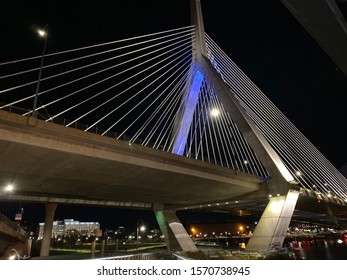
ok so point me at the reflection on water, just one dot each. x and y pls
(321, 249)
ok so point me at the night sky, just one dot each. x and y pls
(262, 37)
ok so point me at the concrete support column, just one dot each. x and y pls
(103, 245)
(176, 237)
(92, 249)
(170, 241)
(29, 246)
(273, 225)
(47, 231)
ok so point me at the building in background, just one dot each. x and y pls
(72, 227)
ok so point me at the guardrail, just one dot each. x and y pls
(94, 130)
(180, 257)
(7, 221)
(11, 224)
(147, 256)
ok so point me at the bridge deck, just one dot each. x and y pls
(47, 160)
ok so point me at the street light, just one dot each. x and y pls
(141, 228)
(241, 229)
(42, 33)
(9, 188)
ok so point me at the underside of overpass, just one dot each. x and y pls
(50, 163)
(54, 163)
(325, 21)
(307, 210)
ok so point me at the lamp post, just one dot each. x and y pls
(42, 33)
(18, 217)
(138, 228)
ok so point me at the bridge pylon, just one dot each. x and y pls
(273, 224)
(175, 235)
(281, 181)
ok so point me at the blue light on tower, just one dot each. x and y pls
(190, 104)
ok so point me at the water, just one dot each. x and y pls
(332, 247)
(321, 249)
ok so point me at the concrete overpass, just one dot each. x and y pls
(54, 164)
(50, 162)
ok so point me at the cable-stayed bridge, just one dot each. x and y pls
(164, 119)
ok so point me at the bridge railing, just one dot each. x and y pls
(146, 256)
(64, 122)
(7, 221)
(83, 126)
(179, 256)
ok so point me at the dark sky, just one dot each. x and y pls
(262, 37)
